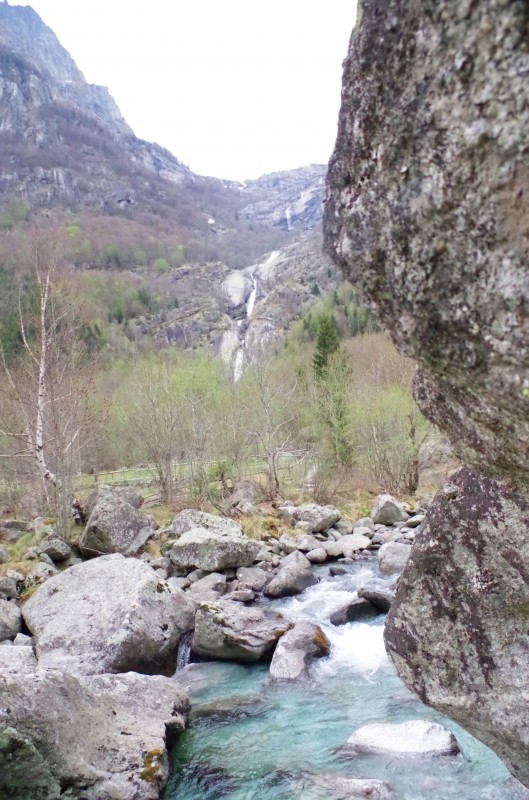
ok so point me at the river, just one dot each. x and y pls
(251, 739)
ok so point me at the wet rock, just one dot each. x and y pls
(111, 614)
(416, 737)
(381, 599)
(353, 611)
(393, 557)
(229, 709)
(336, 786)
(213, 550)
(457, 631)
(115, 526)
(10, 620)
(386, 510)
(228, 630)
(296, 650)
(294, 576)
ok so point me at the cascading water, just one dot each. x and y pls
(251, 739)
(183, 657)
(250, 303)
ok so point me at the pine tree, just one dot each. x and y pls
(327, 342)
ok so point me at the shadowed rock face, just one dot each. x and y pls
(458, 629)
(427, 209)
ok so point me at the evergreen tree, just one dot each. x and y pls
(327, 342)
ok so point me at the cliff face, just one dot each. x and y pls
(427, 209)
(427, 213)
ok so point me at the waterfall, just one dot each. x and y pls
(183, 657)
(251, 300)
(288, 215)
(237, 367)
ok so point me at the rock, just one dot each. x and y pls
(290, 542)
(4, 554)
(245, 595)
(335, 786)
(102, 493)
(213, 550)
(386, 510)
(22, 640)
(415, 521)
(115, 526)
(214, 582)
(457, 631)
(55, 548)
(424, 213)
(229, 709)
(317, 518)
(10, 620)
(124, 719)
(333, 549)
(342, 526)
(111, 614)
(317, 556)
(294, 575)
(353, 611)
(381, 599)
(385, 535)
(229, 630)
(9, 586)
(364, 522)
(393, 556)
(254, 577)
(354, 543)
(189, 518)
(416, 737)
(296, 650)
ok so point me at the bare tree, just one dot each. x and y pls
(44, 419)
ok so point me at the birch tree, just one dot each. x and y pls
(45, 421)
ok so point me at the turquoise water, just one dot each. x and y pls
(251, 739)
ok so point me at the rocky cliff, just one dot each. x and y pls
(427, 213)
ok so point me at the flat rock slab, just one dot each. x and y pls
(211, 550)
(190, 518)
(104, 735)
(110, 614)
(416, 737)
(334, 786)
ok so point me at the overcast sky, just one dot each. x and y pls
(234, 88)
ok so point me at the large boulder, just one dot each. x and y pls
(229, 630)
(386, 510)
(427, 211)
(104, 736)
(458, 628)
(190, 518)
(416, 737)
(293, 577)
(213, 550)
(111, 614)
(314, 518)
(296, 650)
(115, 526)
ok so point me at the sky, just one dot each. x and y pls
(233, 88)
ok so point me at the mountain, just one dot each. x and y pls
(133, 207)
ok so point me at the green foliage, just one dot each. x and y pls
(161, 266)
(327, 342)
